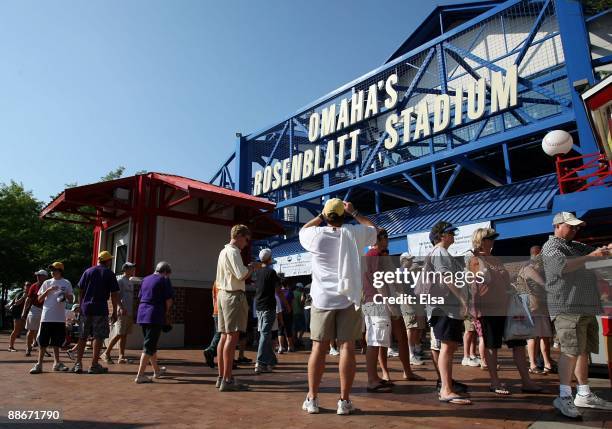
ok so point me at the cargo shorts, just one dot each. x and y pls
(344, 324)
(577, 333)
(233, 310)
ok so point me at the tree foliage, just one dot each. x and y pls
(592, 7)
(29, 243)
(114, 174)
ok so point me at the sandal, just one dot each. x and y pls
(502, 390)
(457, 400)
(551, 370)
(122, 360)
(387, 382)
(536, 370)
(381, 387)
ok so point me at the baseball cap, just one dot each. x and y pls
(440, 228)
(406, 255)
(334, 205)
(56, 266)
(127, 266)
(41, 273)
(492, 235)
(104, 256)
(265, 254)
(568, 218)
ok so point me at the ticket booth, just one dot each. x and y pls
(152, 217)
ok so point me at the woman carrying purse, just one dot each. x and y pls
(491, 297)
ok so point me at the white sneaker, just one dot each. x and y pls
(476, 359)
(592, 401)
(566, 406)
(333, 351)
(311, 405)
(416, 360)
(467, 361)
(262, 369)
(162, 372)
(392, 353)
(143, 379)
(344, 407)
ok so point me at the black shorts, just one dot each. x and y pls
(493, 332)
(150, 333)
(287, 329)
(446, 328)
(52, 334)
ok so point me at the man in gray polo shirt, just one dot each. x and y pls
(573, 302)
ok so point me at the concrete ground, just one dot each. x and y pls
(187, 397)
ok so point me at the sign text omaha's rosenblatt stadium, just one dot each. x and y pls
(362, 105)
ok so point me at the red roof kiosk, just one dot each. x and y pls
(151, 217)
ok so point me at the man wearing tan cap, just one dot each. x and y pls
(336, 294)
(97, 285)
(573, 302)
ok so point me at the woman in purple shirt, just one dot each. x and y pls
(153, 314)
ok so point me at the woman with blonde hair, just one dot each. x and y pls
(530, 281)
(490, 304)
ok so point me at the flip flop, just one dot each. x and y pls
(387, 382)
(457, 400)
(501, 390)
(536, 370)
(379, 388)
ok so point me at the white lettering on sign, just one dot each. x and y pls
(430, 116)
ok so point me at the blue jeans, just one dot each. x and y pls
(265, 351)
(216, 337)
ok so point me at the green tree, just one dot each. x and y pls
(30, 243)
(114, 174)
(593, 7)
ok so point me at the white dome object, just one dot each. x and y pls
(557, 142)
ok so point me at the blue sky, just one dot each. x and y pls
(86, 86)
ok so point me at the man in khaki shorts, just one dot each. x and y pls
(232, 304)
(336, 294)
(125, 319)
(573, 301)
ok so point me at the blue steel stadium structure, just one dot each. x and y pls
(489, 169)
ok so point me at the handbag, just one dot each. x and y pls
(519, 323)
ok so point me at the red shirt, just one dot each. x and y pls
(33, 294)
(372, 265)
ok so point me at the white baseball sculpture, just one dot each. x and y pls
(557, 142)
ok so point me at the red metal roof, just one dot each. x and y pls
(174, 191)
(207, 190)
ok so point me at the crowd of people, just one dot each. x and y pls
(342, 308)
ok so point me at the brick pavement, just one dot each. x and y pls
(187, 397)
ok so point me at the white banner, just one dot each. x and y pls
(419, 244)
(298, 264)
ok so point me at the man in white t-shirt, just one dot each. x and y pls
(336, 294)
(53, 293)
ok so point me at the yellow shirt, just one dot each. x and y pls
(231, 269)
